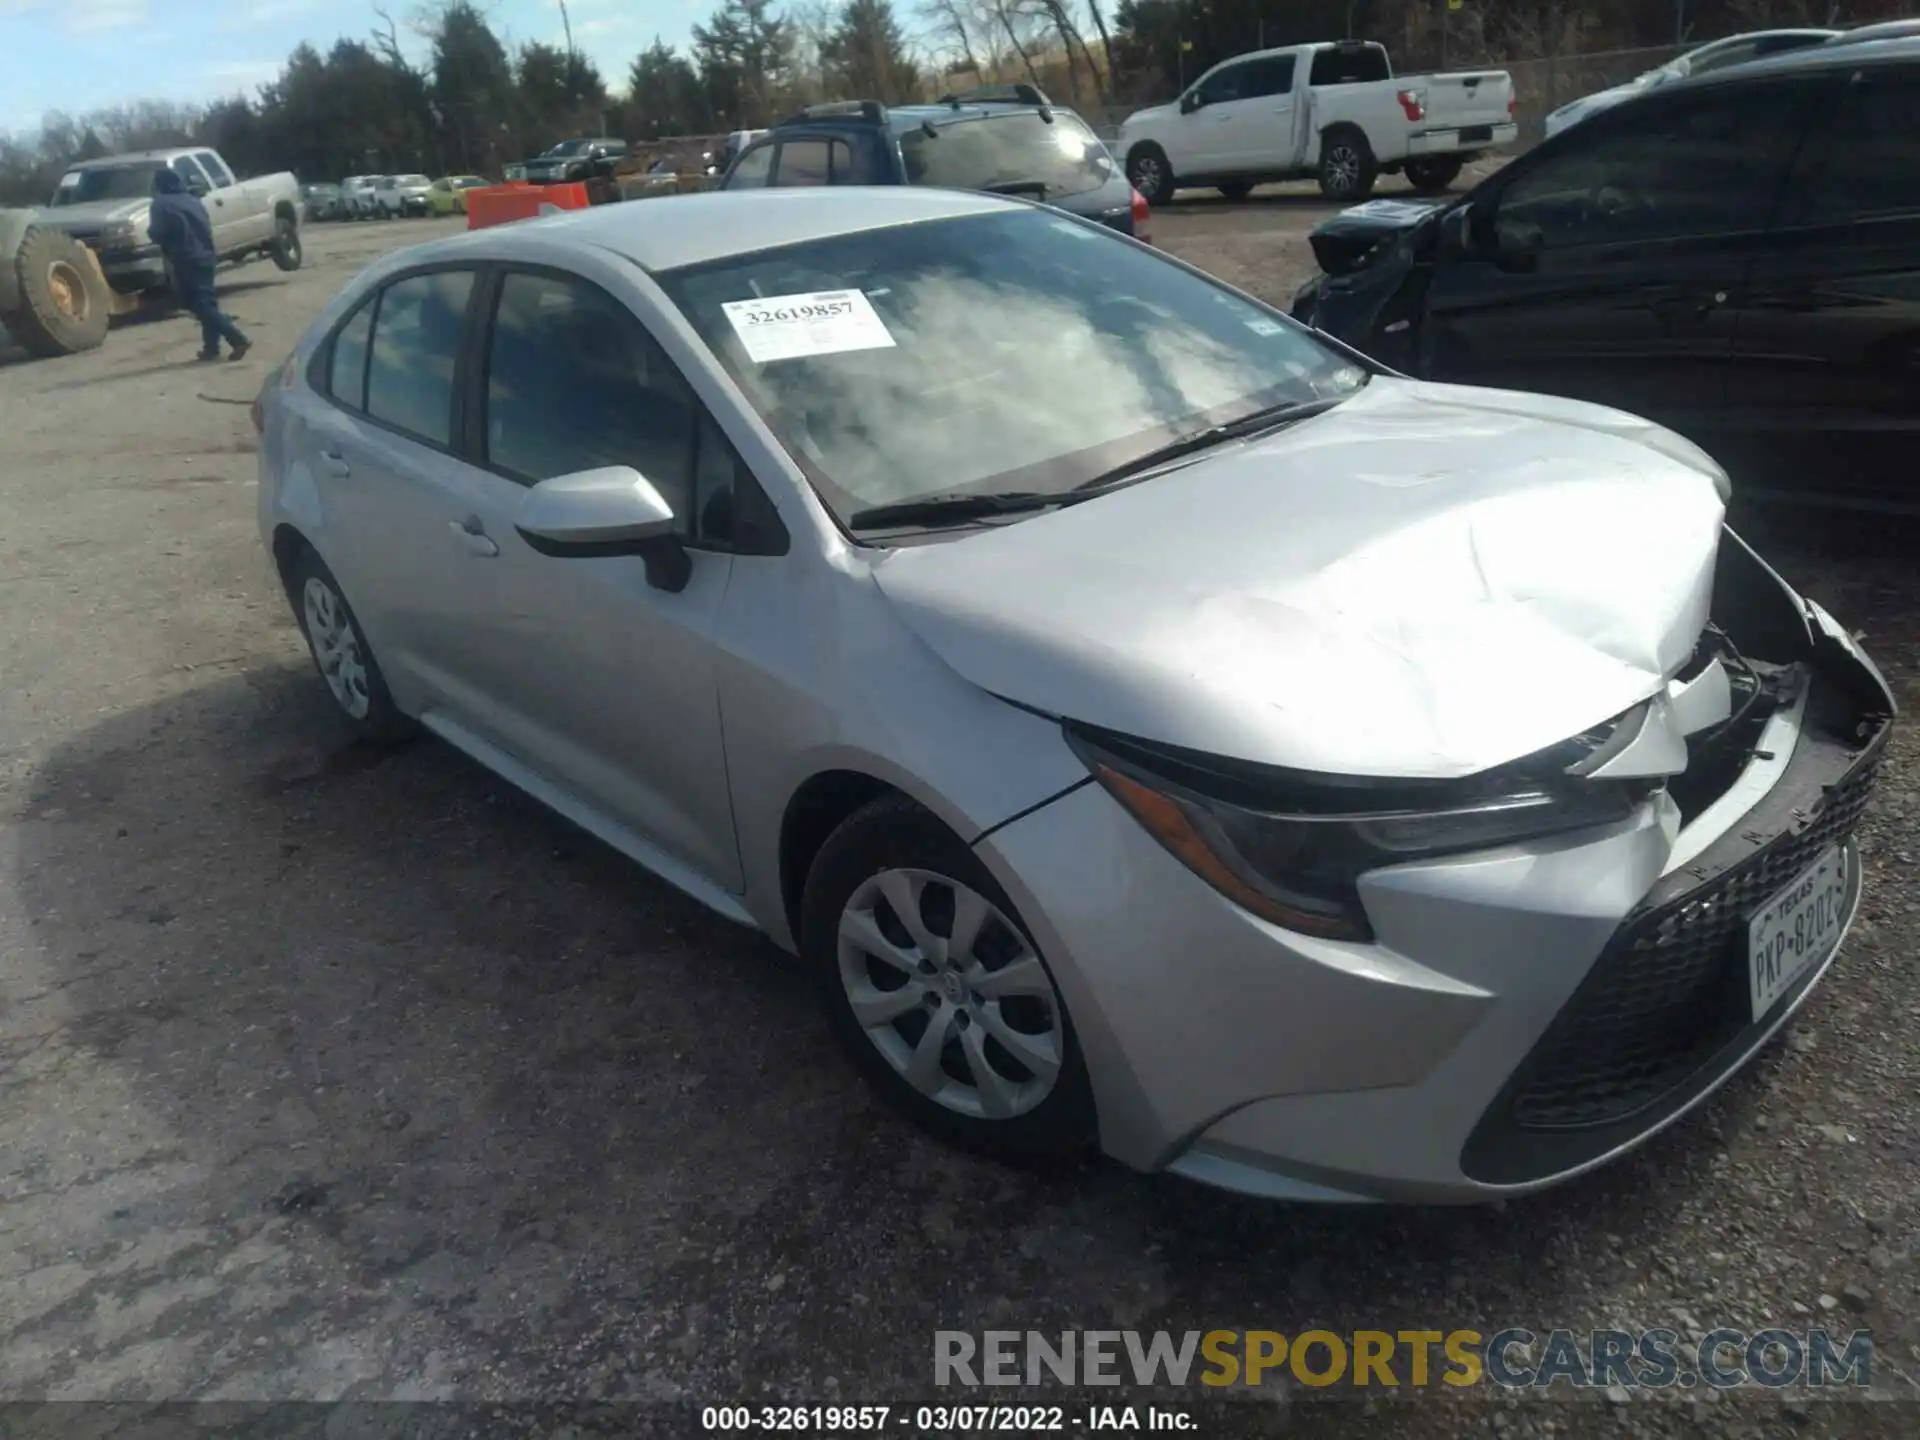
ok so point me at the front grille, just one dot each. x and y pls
(1671, 987)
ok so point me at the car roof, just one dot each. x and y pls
(1813, 58)
(674, 230)
(136, 157)
(911, 117)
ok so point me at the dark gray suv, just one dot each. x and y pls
(1007, 139)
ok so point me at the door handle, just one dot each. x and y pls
(473, 538)
(335, 464)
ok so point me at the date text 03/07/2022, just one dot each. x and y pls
(943, 1419)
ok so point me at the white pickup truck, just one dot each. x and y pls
(1333, 111)
(105, 203)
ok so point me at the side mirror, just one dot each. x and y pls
(197, 188)
(1189, 102)
(606, 512)
(1456, 234)
(1517, 245)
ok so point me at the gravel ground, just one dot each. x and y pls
(325, 1075)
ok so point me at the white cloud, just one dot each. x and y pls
(85, 17)
(231, 75)
(255, 13)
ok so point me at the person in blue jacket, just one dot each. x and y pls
(177, 222)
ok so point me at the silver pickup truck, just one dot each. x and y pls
(105, 203)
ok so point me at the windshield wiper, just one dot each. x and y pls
(954, 505)
(1268, 417)
(1036, 188)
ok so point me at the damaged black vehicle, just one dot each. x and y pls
(1736, 257)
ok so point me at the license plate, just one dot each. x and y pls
(1476, 132)
(1795, 929)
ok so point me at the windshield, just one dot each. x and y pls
(415, 180)
(568, 147)
(1017, 148)
(1013, 351)
(119, 182)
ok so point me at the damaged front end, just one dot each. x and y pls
(1784, 721)
(1756, 757)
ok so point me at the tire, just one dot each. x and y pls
(1236, 191)
(337, 645)
(893, 847)
(285, 248)
(65, 302)
(1149, 172)
(1432, 175)
(1347, 166)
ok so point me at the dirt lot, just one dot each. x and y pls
(324, 1075)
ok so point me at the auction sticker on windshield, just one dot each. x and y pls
(822, 322)
(1797, 927)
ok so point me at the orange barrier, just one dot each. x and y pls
(517, 200)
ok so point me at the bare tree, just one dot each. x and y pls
(951, 24)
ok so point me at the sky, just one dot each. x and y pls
(80, 55)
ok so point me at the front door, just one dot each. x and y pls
(1824, 390)
(1210, 133)
(598, 680)
(1610, 270)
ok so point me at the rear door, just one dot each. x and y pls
(382, 444)
(1824, 390)
(1627, 243)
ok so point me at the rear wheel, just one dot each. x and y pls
(286, 244)
(935, 989)
(341, 653)
(64, 299)
(1431, 175)
(1347, 166)
(1236, 190)
(1150, 174)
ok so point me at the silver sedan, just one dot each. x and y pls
(1158, 727)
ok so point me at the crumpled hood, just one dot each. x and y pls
(1424, 582)
(1342, 241)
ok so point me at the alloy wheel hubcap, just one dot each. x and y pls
(1146, 176)
(336, 649)
(1343, 164)
(951, 994)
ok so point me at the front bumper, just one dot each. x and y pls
(1454, 138)
(140, 267)
(1522, 1016)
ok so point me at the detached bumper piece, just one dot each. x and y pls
(1665, 1012)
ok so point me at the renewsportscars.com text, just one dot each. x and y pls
(1512, 1358)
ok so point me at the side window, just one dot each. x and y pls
(574, 382)
(813, 161)
(1870, 167)
(216, 169)
(1720, 59)
(1270, 77)
(1229, 83)
(347, 367)
(1349, 65)
(1709, 165)
(754, 169)
(416, 340)
(192, 174)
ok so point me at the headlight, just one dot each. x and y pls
(1292, 848)
(131, 231)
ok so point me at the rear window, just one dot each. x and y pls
(1017, 153)
(1350, 67)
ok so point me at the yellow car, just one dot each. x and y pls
(448, 194)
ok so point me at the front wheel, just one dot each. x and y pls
(1431, 175)
(285, 249)
(1347, 166)
(1150, 174)
(935, 989)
